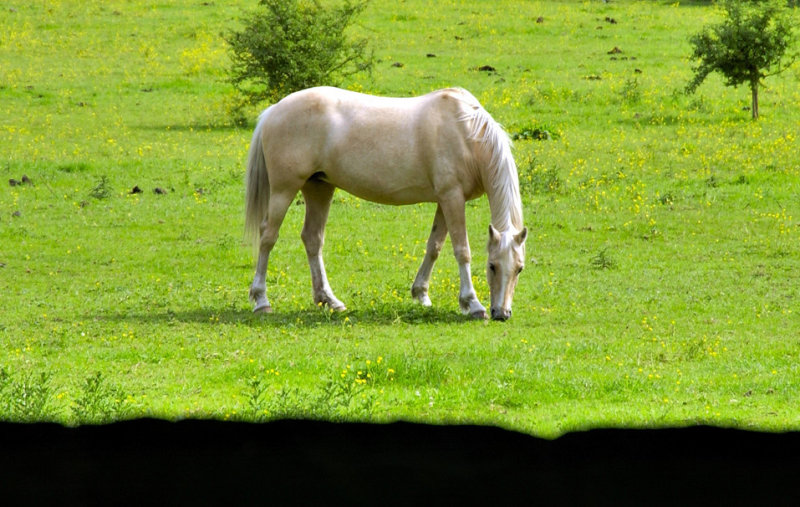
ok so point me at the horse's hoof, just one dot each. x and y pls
(424, 300)
(479, 315)
(333, 305)
(262, 309)
(421, 296)
(340, 307)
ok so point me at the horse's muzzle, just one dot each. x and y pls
(501, 314)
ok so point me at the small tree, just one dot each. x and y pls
(746, 47)
(288, 45)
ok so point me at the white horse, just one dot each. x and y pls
(442, 147)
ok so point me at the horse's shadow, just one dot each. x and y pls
(305, 318)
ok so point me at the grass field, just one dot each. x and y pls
(664, 250)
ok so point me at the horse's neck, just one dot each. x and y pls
(504, 199)
(499, 172)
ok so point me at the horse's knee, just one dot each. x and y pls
(434, 250)
(462, 254)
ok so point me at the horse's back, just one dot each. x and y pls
(327, 103)
(385, 149)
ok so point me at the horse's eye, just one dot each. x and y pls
(519, 269)
(491, 268)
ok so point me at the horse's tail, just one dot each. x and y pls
(256, 184)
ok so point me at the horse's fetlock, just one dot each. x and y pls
(258, 287)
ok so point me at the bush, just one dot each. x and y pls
(289, 45)
(535, 179)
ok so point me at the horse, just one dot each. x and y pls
(442, 147)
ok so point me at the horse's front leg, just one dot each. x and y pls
(419, 290)
(454, 214)
(318, 195)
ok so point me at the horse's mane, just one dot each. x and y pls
(502, 175)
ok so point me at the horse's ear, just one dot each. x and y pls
(494, 236)
(522, 236)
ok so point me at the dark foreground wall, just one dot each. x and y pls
(150, 462)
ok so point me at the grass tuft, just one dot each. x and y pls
(603, 260)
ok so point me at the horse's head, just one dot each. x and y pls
(506, 260)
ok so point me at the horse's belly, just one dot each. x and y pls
(381, 168)
(378, 187)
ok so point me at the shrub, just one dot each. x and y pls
(289, 45)
(535, 179)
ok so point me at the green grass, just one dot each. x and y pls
(664, 262)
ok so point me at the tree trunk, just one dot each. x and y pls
(754, 107)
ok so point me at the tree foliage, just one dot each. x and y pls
(288, 45)
(749, 45)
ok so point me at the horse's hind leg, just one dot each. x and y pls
(278, 204)
(419, 290)
(318, 195)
